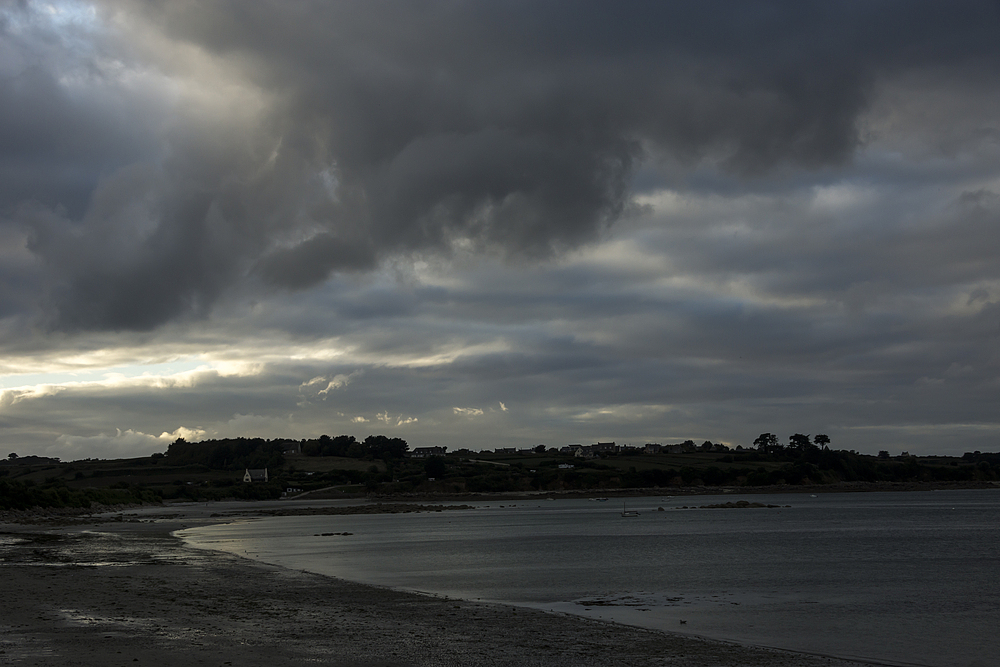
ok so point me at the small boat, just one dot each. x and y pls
(626, 512)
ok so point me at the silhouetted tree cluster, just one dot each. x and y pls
(373, 447)
(228, 454)
(798, 444)
(993, 458)
(342, 445)
(815, 462)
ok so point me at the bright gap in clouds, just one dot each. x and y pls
(90, 375)
(65, 13)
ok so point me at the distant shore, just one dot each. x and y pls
(68, 516)
(63, 516)
(663, 492)
(122, 590)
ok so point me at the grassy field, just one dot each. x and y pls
(159, 476)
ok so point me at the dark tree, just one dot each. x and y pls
(821, 440)
(327, 446)
(799, 442)
(227, 454)
(767, 443)
(382, 447)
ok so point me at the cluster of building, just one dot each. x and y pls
(595, 450)
(424, 452)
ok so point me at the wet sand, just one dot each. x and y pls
(128, 593)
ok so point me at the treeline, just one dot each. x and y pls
(829, 466)
(812, 465)
(993, 458)
(240, 453)
(798, 444)
(373, 447)
(227, 454)
(747, 468)
(21, 495)
(813, 462)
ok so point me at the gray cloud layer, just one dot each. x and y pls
(610, 216)
(395, 126)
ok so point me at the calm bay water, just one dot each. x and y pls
(905, 578)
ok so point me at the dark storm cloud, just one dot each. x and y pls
(57, 138)
(387, 127)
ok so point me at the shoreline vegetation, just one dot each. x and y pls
(121, 589)
(413, 502)
(385, 469)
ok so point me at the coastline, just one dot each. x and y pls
(662, 491)
(121, 589)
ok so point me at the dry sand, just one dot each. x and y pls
(128, 593)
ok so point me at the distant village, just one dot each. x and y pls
(292, 448)
(589, 451)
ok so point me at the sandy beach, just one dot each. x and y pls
(126, 592)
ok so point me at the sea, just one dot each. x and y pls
(900, 578)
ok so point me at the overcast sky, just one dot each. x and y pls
(499, 223)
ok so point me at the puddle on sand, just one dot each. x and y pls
(91, 549)
(15, 647)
